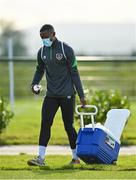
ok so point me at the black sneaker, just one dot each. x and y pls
(74, 161)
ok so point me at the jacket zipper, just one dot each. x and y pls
(50, 53)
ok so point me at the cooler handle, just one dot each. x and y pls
(86, 113)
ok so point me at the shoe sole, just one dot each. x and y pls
(30, 163)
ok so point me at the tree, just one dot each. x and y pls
(8, 30)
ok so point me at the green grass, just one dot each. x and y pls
(102, 75)
(24, 127)
(15, 167)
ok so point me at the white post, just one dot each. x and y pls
(11, 72)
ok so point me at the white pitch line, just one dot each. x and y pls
(52, 150)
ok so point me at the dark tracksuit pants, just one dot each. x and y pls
(49, 109)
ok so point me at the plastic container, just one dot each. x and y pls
(95, 142)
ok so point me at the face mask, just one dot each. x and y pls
(47, 42)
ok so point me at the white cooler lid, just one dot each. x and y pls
(107, 131)
(116, 120)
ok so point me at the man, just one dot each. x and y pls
(58, 62)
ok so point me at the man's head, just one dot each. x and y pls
(47, 33)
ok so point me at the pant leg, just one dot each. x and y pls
(67, 109)
(49, 109)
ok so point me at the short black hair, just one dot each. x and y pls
(47, 27)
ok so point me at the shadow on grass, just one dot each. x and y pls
(11, 141)
(3, 142)
(68, 168)
(79, 168)
(128, 142)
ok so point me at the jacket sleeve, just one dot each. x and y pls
(40, 69)
(72, 65)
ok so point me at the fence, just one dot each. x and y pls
(96, 73)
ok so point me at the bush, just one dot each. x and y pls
(5, 115)
(104, 100)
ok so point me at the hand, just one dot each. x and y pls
(83, 102)
(36, 89)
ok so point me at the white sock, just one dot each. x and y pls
(74, 154)
(42, 151)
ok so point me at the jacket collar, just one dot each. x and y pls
(55, 43)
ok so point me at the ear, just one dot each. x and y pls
(54, 33)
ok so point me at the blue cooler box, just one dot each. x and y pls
(97, 146)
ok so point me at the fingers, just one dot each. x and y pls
(36, 89)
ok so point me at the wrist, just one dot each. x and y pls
(35, 88)
(82, 97)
